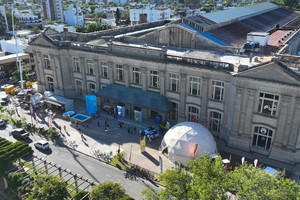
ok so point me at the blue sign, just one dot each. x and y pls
(91, 104)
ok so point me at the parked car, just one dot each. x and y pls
(20, 133)
(2, 123)
(41, 144)
(151, 132)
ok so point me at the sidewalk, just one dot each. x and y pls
(97, 139)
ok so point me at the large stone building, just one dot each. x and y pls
(252, 104)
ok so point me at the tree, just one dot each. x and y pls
(108, 191)
(16, 74)
(177, 183)
(9, 21)
(248, 182)
(206, 178)
(91, 27)
(118, 16)
(291, 4)
(209, 177)
(48, 187)
(2, 25)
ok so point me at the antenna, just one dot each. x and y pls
(19, 62)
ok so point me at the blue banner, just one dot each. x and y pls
(91, 104)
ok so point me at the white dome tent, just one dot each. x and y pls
(186, 140)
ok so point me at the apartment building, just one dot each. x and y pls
(53, 10)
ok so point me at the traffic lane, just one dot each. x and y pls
(86, 166)
(97, 171)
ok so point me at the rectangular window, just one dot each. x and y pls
(217, 90)
(154, 78)
(79, 87)
(90, 66)
(193, 114)
(268, 103)
(92, 88)
(104, 70)
(195, 86)
(120, 72)
(174, 82)
(77, 65)
(47, 61)
(173, 114)
(215, 121)
(262, 137)
(136, 75)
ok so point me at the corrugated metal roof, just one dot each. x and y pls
(240, 12)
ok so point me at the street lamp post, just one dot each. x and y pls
(19, 62)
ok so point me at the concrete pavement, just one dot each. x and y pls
(96, 139)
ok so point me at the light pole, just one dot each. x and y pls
(19, 62)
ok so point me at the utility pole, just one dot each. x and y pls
(19, 62)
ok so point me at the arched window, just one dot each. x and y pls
(193, 114)
(50, 84)
(262, 137)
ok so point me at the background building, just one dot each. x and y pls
(73, 16)
(148, 14)
(53, 10)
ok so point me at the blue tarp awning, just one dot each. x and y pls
(137, 97)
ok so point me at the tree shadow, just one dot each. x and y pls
(151, 158)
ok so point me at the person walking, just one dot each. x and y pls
(98, 123)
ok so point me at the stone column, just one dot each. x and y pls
(97, 70)
(295, 132)
(237, 111)
(83, 75)
(182, 97)
(127, 77)
(56, 71)
(163, 80)
(144, 78)
(281, 136)
(204, 98)
(248, 114)
(111, 72)
(40, 69)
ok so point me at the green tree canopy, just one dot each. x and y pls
(118, 16)
(9, 21)
(48, 187)
(108, 191)
(206, 178)
(248, 182)
(2, 25)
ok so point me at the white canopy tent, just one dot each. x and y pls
(186, 140)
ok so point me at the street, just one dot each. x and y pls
(86, 166)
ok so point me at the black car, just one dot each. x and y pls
(20, 133)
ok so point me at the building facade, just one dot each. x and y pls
(73, 16)
(253, 109)
(148, 14)
(53, 10)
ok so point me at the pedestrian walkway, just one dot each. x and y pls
(95, 138)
